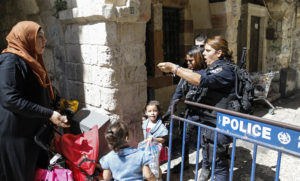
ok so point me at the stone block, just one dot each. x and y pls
(132, 103)
(29, 7)
(218, 8)
(74, 53)
(108, 99)
(49, 60)
(89, 54)
(68, 14)
(74, 71)
(101, 76)
(131, 33)
(72, 34)
(157, 16)
(90, 11)
(59, 59)
(133, 55)
(109, 1)
(121, 2)
(109, 56)
(92, 94)
(87, 4)
(145, 11)
(75, 90)
(134, 74)
(127, 14)
(103, 33)
(109, 12)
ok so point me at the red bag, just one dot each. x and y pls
(80, 151)
(57, 174)
(164, 154)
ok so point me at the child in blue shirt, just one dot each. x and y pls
(124, 162)
(153, 127)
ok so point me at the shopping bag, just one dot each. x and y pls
(56, 174)
(152, 149)
(164, 154)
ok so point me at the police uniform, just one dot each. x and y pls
(218, 81)
(191, 93)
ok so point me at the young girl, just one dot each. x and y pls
(153, 127)
(124, 162)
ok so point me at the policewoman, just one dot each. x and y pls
(218, 81)
(195, 62)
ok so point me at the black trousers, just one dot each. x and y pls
(18, 159)
(221, 166)
(189, 135)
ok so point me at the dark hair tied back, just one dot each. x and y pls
(219, 43)
(116, 136)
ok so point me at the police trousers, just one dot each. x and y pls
(222, 158)
(189, 135)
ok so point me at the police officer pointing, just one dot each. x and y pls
(218, 79)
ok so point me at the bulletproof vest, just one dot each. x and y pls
(209, 96)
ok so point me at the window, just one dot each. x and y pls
(171, 30)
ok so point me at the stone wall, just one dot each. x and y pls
(295, 61)
(95, 52)
(282, 20)
(14, 11)
(224, 17)
(105, 56)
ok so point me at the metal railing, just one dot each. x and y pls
(282, 137)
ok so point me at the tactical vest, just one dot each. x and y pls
(209, 96)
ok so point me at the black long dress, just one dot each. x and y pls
(24, 108)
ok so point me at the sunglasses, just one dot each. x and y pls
(189, 60)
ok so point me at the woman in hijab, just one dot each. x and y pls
(25, 96)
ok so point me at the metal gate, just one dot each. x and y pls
(284, 138)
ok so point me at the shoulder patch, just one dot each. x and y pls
(217, 70)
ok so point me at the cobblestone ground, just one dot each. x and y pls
(287, 111)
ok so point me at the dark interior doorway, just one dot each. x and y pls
(254, 62)
(171, 27)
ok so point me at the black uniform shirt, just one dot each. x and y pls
(218, 76)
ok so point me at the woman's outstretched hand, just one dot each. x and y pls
(166, 67)
(59, 120)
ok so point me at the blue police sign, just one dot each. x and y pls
(273, 135)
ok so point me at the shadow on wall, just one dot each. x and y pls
(8, 19)
(63, 66)
(63, 55)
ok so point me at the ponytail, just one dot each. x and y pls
(116, 136)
